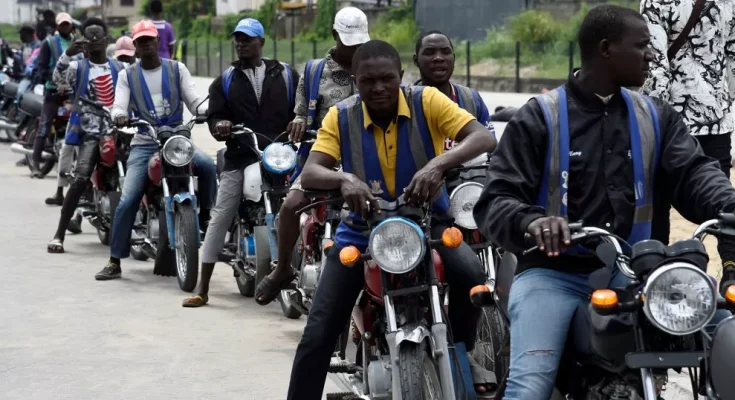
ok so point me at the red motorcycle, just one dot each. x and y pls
(404, 349)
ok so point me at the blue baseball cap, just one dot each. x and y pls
(251, 27)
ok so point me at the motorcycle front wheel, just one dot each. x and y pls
(490, 351)
(137, 250)
(187, 246)
(297, 262)
(418, 373)
(165, 264)
(104, 234)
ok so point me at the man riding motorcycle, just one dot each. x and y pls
(612, 144)
(51, 49)
(156, 90)
(99, 75)
(435, 59)
(29, 53)
(259, 97)
(325, 82)
(389, 117)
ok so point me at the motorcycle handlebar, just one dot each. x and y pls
(723, 225)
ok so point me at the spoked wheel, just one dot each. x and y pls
(489, 349)
(105, 232)
(297, 263)
(245, 285)
(165, 259)
(187, 246)
(137, 250)
(419, 376)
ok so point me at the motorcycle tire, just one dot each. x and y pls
(289, 311)
(490, 350)
(104, 235)
(187, 246)
(137, 250)
(262, 253)
(165, 264)
(244, 285)
(418, 373)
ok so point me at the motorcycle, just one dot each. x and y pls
(659, 321)
(8, 109)
(28, 129)
(465, 185)
(404, 350)
(169, 227)
(104, 191)
(251, 241)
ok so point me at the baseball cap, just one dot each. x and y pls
(144, 28)
(251, 27)
(63, 17)
(124, 47)
(352, 26)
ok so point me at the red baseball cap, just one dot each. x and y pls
(144, 28)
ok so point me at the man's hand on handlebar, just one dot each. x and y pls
(549, 233)
(357, 195)
(121, 121)
(296, 129)
(223, 130)
(424, 185)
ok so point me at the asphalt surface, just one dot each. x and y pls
(64, 335)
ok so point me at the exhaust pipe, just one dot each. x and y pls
(7, 125)
(18, 148)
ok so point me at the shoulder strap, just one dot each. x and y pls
(227, 81)
(288, 80)
(312, 77)
(696, 15)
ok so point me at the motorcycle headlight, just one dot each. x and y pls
(461, 203)
(178, 151)
(279, 158)
(397, 245)
(680, 299)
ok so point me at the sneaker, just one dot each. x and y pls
(109, 272)
(55, 200)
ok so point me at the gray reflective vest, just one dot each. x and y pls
(173, 112)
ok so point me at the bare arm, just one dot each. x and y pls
(473, 139)
(122, 96)
(319, 173)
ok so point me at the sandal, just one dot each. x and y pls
(483, 379)
(55, 246)
(269, 289)
(195, 301)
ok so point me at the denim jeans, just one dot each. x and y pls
(136, 180)
(23, 87)
(541, 307)
(51, 104)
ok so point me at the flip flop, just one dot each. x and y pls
(195, 301)
(55, 246)
(482, 377)
(269, 289)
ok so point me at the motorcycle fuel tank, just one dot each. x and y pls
(252, 182)
(154, 170)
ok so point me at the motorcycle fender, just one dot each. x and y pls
(179, 198)
(252, 182)
(415, 334)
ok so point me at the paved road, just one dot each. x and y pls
(67, 336)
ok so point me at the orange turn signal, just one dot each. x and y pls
(481, 296)
(327, 244)
(604, 299)
(730, 295)
(479, 289)
(349, 256)
(452, 237)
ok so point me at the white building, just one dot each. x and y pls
(24, 11)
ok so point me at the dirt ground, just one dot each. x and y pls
(683, 229)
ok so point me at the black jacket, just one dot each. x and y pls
(270, 117)
(600, 189)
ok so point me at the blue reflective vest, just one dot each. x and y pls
(645, 139)
(360, 157)
(173, 110)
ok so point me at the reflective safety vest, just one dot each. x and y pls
(360, 157)
(469, 100)
(312, 76)
(74, 128)
(645, 139)
(57, 47)
(173, 112)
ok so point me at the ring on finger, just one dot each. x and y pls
(547, 230)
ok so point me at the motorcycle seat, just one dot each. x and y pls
(10, 89)
(31, 104)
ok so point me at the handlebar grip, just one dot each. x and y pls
(529, 240)
(309, 135)
(727, 218)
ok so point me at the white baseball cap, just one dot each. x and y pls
(351, 25)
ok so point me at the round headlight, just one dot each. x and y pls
(279, 158)
(397, 245)
(178, 151)
(680, 298)
(461, 203)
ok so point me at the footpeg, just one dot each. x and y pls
(342, 396)
(343, 367)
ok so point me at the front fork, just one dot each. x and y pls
(270, 224)
(168, 201)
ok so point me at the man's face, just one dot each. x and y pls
(26, 37)
(97, 38)
(346, 52)
(147, 46)
(629, 59)
(126, 59)
(378, 81)
(436, 58)
(248, 47)
(64, 28)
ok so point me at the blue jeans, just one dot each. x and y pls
(136, 180)
(23, 87)
(541, 307)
